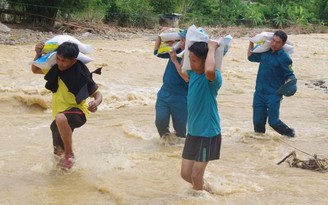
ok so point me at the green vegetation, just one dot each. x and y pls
(146, 13)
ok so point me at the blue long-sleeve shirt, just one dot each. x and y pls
(172, 81)
(274, 69)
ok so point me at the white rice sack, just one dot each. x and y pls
(176, 45)
(50, 47)
(227, 43)
(262, 37)
(59, 39)
(166, 48)
(48, 60)
(198, 35)
(288, 48)
(84, 58)
(171, 34)
(219, 53)
(263, 40)
(262, 47)
(181, 54)
(194, 34)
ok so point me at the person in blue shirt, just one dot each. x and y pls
(172, 96)
(275, 69)
(203, 142)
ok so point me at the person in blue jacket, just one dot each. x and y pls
(172, 96)
(275, 70)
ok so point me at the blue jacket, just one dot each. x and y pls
(172, 81)
(274, 69)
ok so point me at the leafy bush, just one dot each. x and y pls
(146, 13)
(164, 6)
(281, 17)
(130, 13)
(233, 12)
(322, 10)
(254, 15)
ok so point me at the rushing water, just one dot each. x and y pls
(120, 159)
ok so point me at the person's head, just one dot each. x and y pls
(197, 56)
(278, 40)
(183, 35)
(67, 53)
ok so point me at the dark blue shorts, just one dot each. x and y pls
(202, 149)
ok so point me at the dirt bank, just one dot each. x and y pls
(22, 34)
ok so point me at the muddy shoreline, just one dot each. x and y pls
(24, 34)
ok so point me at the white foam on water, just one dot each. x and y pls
(132, 130)
(120, 159)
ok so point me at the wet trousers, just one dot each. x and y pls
(171, 105)
(267, 107)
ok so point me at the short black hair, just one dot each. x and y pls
(281, 35)
(200, 49)
(68, 50)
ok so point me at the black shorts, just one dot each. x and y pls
(75, 117)
(202, 149)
